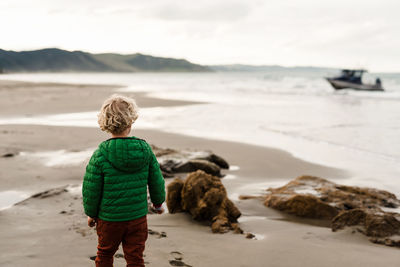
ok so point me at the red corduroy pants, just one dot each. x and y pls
(132, 234)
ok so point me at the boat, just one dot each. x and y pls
(352, 79)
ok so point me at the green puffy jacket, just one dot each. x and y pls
(116, 180)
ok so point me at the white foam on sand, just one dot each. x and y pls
(80, 119)
(230, 177)
(274, 109)
(234, 168)
(234, 196)
(253, 189)
(243, 219)
(75, 189)
(365, 167)
(259, 237)
(59, 158)
(11, 197)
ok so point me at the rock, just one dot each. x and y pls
(348, 218)
(305, 192)
(159, 152)
(174, 197)
(198, 164)
(166, 168)
(51, 192)
(374, 223)
(8, 155)
(250, 236)
(391, 242)
(184, 161)
(302, 205)
(168, 165)
(205, 198)
(167, 174)
(236, 228)
(219, 161)
(317, 198)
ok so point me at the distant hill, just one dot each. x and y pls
(253, 68)
(57, 60)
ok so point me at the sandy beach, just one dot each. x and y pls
(50, 229)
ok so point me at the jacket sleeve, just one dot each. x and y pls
(156, 181)
(92, 188)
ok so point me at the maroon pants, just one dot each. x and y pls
(132, 234)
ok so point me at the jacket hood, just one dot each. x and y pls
(127, 154)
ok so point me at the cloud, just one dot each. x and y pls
(226, 11)
(289, 32)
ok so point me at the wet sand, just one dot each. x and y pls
(52, 231)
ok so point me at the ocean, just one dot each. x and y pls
(294, 110)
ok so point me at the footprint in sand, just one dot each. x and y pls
(177, 261)
(177, 255)
(158, 234)
(118, 255)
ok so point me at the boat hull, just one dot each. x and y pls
(339, 85)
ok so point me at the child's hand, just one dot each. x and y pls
(91, 222)
(158, 209)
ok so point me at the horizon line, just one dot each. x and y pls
(206, 65)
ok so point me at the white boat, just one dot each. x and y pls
(352, 79)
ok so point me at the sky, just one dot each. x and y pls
(339, 33)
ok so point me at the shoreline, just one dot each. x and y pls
(366, 168)
(56, 98)
(97, 94)
(30, 227)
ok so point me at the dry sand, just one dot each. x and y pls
(52, 231)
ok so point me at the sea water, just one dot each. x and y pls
(296, 111)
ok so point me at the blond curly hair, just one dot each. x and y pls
(117, 114)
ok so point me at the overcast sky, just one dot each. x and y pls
(339, 33)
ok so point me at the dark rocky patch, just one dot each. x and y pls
(198, 164)
(217, 160)
(174, 196)
(302, 205)
(317, 198)
(50, 192)
(250, 236)
(205, 198)
(378, 225)
(8, 155)
(184, 161)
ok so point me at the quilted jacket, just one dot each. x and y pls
(117, 177)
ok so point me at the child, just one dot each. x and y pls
(115, 185)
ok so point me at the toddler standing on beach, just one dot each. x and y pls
(115, 185)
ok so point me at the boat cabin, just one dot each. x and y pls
(353, 76)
